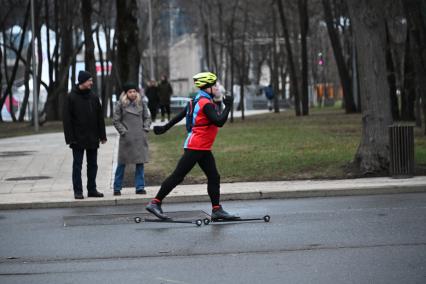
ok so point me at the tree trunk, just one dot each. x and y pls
(110, 57)
(27, 85)
(231, 56)
(57, 11)
(274, 64)
(345, 79)
(104, 65)
(396, 39)
(128, 57)
(89, 50)
(232, 53)
(221, 69)
(244, 64)
(416, 22)
(355, 77)
(292, 69)
(304, 26)
(372, 156)
(38, 21)
(47, 23)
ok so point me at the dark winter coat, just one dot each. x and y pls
(83, 120)
(132, 123)
(165, 91)
(152, 95)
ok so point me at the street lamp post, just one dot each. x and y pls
(35, 95)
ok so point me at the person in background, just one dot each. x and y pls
(151, 93)
(132, 120)
(84, 128)
(202, 122)
(269, 94)
(165, 91)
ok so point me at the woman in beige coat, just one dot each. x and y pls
(132, 121)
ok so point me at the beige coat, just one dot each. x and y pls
(132, 123)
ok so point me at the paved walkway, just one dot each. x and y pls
(35, 172)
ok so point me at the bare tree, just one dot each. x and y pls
(345, 79)
(417, 43)
(29, 57)
(275, 61)
(128, 57)
(27, 85)
(109, 75)
(292, 67)
(103, 65)
(89, 45)
(65, 52)
(368, 25)
(304, 27)
(10, 80)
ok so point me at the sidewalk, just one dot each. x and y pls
(35, 172)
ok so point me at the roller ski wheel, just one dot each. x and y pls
(266, 218)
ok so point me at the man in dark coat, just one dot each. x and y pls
(165, 91)
(151, 93)
(84, 128)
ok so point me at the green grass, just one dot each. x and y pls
(274, 147)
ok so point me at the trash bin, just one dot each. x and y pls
(401, 150)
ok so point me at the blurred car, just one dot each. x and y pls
(178, 103)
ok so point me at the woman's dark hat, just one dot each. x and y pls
(128, 86)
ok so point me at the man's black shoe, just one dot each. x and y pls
(78, 196)
(95, 194)
(141, 191)
(220, 214)
(117, 193)
(155, 208)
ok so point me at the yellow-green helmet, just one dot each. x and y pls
(204, 79)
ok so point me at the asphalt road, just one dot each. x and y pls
(364, 239)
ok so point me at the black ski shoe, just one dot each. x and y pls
(220, 214)
(78, 196)
(95, 194)
(155, 208)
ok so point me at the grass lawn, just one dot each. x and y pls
(274, 147)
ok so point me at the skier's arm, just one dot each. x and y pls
(162, 129)
(219, 119)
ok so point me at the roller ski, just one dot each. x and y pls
(155, 209)
(197, 222)
(220, 215)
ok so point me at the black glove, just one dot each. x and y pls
(228, 100)
(158, 130)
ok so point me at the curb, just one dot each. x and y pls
(253, 195)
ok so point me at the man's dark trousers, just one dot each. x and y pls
(92, 169)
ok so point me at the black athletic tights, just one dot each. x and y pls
(207, 163)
